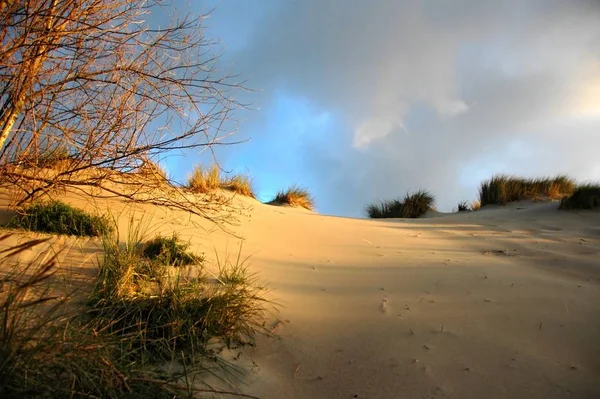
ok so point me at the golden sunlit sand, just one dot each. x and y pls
(498, 303)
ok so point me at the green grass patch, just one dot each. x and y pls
(56, 217)
(170, 251)
(47, 352)
(411, 206)
(157, 316)
(585, 196)
(502, 189)
(294, 196)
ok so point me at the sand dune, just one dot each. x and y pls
(500, 303)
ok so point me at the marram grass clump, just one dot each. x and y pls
(411, 206)
(170, 251)
(385, 209)
(56, 217)
(49, 351)
(239, 184)
(157, 316)
(204, 180)
(585, 196)
(502, 189)
(294, 196)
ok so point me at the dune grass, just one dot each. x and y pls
(411, 206)
(205, 180)
(239, 184)
(47, 352)
(385, 209)
(463, 206)
(59, 218)
(294, 196)
(585, 196)
(158, 315)
(502, 189)
(170, 251)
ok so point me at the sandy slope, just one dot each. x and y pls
(500, 303)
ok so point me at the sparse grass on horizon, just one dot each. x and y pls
(502, 189)
(204, 180)
(385, 209)
(463, 206)
(239, 184)
(585, 196)
(411, 206)
(294, 196)
(56, 217)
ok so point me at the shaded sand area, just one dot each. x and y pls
(499, 303)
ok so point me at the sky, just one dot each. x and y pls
(362, 100)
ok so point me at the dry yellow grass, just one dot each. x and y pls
(239, 184)
(294, 196)
(206, 180)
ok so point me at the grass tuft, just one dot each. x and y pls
(411, 206)
(157, 316)
(385, 209)
(47, 353)
(59, 218)
(585, 196)
(206, 180)
(294, 196)
(502, 189)
(239, 184)
(463, 206)
(417, 204)
(170, 251)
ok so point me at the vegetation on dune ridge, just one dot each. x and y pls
(294, 196)
(59, 218)
(411, 206)
(502, 189)
(585, 196)
(205, 180)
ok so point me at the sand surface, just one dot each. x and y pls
(499, 303)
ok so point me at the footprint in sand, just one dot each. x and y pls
(384, 307)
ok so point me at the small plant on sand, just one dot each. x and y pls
(385, 209)
(411, 206)
(59, 218)
(204, 180)
(475, 206)
(170, 251)
(417, 204)
(239, 184)
(294, 196)
(585, 196)
(463, 206)
(502, 189)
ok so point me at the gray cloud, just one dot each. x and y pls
(422, 94)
